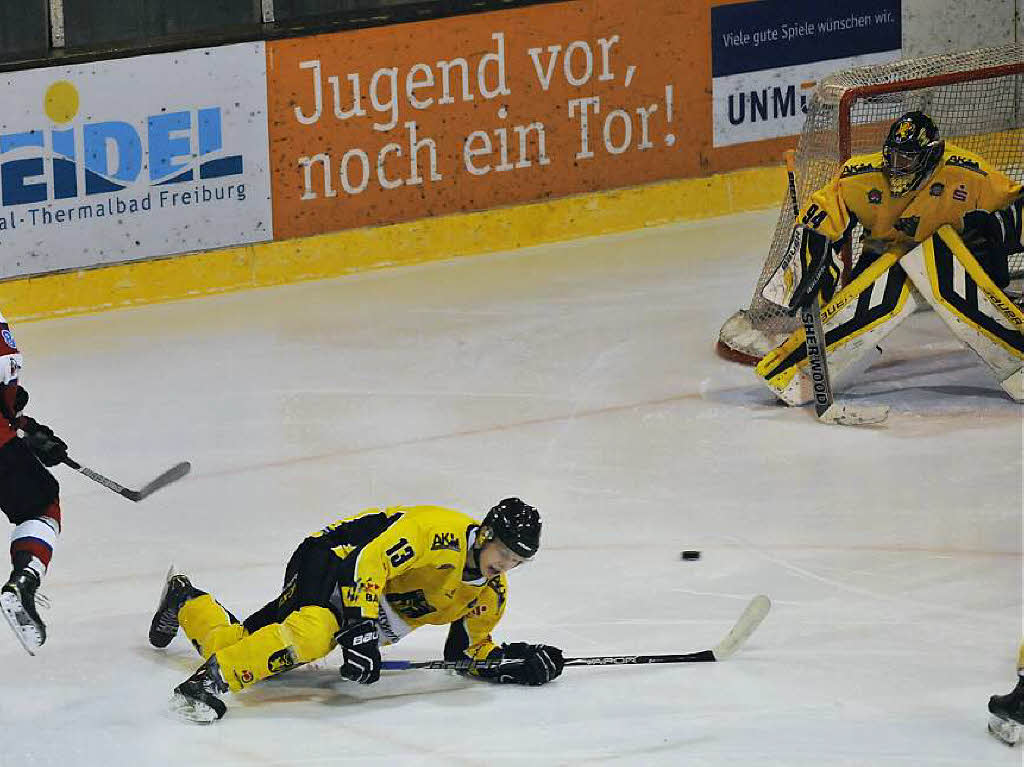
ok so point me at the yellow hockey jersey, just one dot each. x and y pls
(403, 566)
(961, 182)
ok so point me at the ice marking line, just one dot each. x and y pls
(495, 428)
(769, 409)
(796, 569)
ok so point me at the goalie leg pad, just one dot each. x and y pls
(855, 322)
(980, 314)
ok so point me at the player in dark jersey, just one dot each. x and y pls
(28, 496)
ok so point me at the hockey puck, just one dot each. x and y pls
(689, 555)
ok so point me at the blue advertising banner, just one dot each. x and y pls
(767, 56)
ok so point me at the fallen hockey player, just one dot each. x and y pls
(358, 583)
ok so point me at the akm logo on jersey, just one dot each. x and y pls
(107, 156)
(858, 169)
(446, 541)
(963, 162)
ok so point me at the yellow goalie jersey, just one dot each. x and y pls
(961, 182)
(403, 566)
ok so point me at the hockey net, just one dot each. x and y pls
(976, 99)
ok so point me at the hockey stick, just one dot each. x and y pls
(751, 618)
(827, 409)
(173, 474)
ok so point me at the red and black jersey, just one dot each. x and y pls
(10, 369)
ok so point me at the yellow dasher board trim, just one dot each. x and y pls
(340, 253)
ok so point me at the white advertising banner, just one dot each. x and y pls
(753, 106)
(133, 158)
(767, 56)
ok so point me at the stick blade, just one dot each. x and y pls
(747, 623)
(173, 474)
(854, 415)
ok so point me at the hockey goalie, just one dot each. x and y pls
(939, 225)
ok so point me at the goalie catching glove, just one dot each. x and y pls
(360, 649)
(809, 267)
(534, 664)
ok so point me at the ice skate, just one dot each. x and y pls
(177, 590)
(1007, 722)
(18, 604)
(195, 699)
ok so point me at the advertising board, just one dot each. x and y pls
(133, 158)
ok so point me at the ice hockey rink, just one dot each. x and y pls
(581, 377)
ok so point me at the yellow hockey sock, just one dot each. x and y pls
(305, 635)
(208, 625)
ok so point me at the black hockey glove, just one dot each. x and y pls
(820, 273)
(45, 445)
(541, 663)
(360, 648)
(809, 267)
(993, 237)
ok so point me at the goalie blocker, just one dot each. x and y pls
(941, 271)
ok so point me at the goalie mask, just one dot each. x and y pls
(911, 151)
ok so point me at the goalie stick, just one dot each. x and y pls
(755, 612)
(827, 409)
(173, 474)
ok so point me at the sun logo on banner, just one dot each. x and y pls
(73, 158)
(61, 102)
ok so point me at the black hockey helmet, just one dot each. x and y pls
(515, 524)
(911, 149)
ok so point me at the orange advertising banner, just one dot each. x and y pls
(473, 112)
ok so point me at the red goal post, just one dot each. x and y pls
(977, 100)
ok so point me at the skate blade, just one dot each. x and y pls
(191, 710)
(1005, 731)
(20, 623)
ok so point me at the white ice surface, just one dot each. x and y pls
(581, 377)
